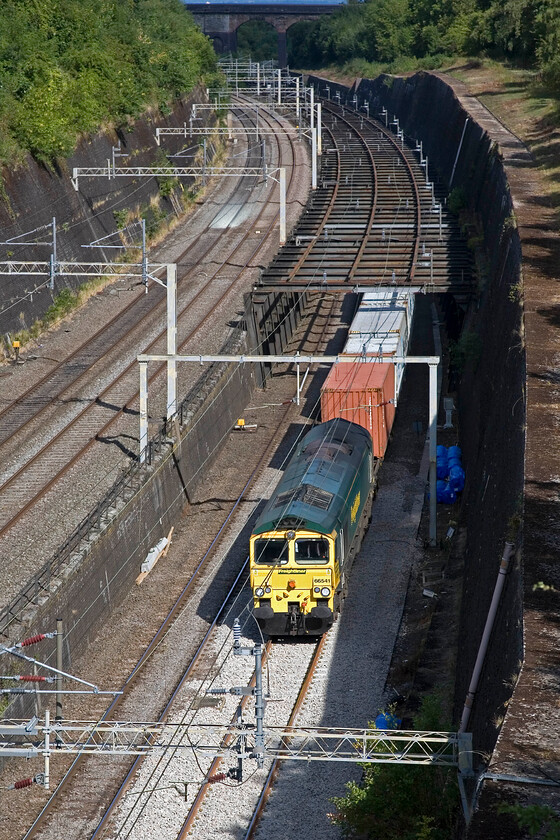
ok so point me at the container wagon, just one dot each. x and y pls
(367, 392)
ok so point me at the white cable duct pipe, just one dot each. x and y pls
(506, 557)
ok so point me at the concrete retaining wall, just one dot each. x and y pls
(491, 392)
(90, 588)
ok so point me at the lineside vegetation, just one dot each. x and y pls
(68, 67)
(397, 802)
(367, 37)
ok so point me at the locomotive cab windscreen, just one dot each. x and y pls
(271, 552)
(307, 551)
(311, 551)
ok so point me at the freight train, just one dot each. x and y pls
(305, 540)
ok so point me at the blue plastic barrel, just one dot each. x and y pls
(445, 494)
(454, 454)
(385, 720)
(442, 466)
(457, 478)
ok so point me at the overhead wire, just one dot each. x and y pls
(246, 608)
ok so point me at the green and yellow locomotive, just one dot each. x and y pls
(305, 539)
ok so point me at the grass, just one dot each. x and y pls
(516, 97)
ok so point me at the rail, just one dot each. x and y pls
(99, 518)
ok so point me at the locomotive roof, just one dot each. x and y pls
(314, 489)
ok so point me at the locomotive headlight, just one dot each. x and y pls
(317, 589)
(268, 589)
(259, 591)
(325, 591)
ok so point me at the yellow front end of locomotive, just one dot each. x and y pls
(293, 579)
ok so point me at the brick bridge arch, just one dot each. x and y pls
(220, 21)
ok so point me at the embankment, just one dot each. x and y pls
(34, 194)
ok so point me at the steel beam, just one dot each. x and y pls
(171, 340)
(297, 359)
(160, 172)
(341, 744)
(282, 182)
(76, 269)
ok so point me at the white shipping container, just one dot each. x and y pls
(381, 326)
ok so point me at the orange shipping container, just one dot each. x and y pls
(361, 392)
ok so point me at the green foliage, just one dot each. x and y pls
(475, 242)
(457, 200)
(467, 350)
(397, 802)
(121, 218)
(257, 39)
(67, 66)
(154, 217)
(303, 50)
(539, 820)
(62, 305)
(419, 33)
(166, 184)
(548, 48)
(543, 587)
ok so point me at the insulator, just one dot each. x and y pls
(236, 633)
(23, 784)
(32, 678)
(217, 777)
(32, 640)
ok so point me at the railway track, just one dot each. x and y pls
(80, 416)
(375, 218)
(317, 252)
(203, 819)
(167, 653)
(85, 784)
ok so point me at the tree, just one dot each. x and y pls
(388, 29)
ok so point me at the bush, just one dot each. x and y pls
(403, 802)
(62, 305)
(467, 350)
(539, 820)
(457, 200)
